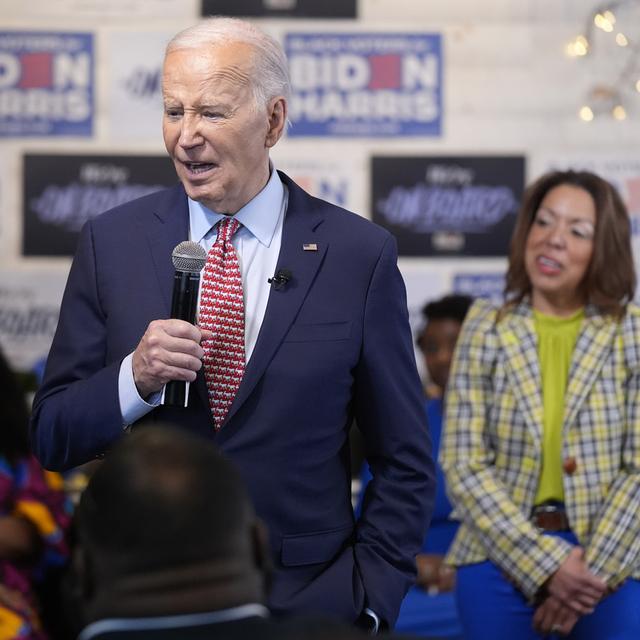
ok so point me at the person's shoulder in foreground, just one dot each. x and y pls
(170, 547)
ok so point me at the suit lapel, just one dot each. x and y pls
(169, 225)
(593, 344)
(518, 339)
(300, 227)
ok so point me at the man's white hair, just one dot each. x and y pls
(270, 73)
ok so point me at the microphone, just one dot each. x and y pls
(280, 278)
(188, 259)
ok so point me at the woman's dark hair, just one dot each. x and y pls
(14, 415)
(451, 307)
(610, 280)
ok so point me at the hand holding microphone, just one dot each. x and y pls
(169, 352)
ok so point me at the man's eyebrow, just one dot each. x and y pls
(213, 104)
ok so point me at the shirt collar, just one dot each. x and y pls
(259, 216)
(173, 622)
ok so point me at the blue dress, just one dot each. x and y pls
(421, 614)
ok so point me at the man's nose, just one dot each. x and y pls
(190, 135)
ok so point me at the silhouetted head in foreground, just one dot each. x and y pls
(166, 527)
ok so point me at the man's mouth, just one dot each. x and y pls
(198, 167)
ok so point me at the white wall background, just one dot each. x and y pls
(509, 88)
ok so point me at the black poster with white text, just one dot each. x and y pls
(281, 8)
(448, 206)
(62, 192)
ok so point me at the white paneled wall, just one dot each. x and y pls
(508, 88)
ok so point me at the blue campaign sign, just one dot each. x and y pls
(480, 285)
(46, 83)
(371, 84)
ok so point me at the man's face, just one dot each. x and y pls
(217, 136)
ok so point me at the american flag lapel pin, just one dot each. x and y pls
(309, 246)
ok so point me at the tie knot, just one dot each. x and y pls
(228, 226)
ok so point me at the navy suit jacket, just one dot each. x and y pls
(334, 346)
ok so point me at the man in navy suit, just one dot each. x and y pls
(329, 345)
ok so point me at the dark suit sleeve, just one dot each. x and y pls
(389, 407)
(76, 412)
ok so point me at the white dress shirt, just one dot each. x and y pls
(257, 244)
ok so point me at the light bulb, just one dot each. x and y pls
(586, 114)
(619, 112)
(579, 46)
(621, 39)
(602, 22)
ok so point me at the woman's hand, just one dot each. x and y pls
(434, 576)
(552, 616)
(575, 586)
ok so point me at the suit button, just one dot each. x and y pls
(569, 465)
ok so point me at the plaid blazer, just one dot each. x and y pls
(492, 445)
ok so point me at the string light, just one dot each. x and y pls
(586, 113)
(579, 46)
(619, 112)
(621, 40)
(611, 98)
(602, 22)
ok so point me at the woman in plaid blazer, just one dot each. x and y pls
(542, 456)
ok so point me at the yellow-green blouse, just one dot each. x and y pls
(556, 341)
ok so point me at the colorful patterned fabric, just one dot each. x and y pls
(222, 311)
(28, 491)
(492, 445)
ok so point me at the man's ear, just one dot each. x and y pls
(261, 552)
(277, 114)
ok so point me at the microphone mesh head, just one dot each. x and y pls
(189, 257)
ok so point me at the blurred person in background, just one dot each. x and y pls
(429, 608)
(541, 449)
(34, 519)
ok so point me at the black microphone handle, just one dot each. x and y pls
(185, 296)
(183, 307)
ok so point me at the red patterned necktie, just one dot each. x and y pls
(222, 312)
